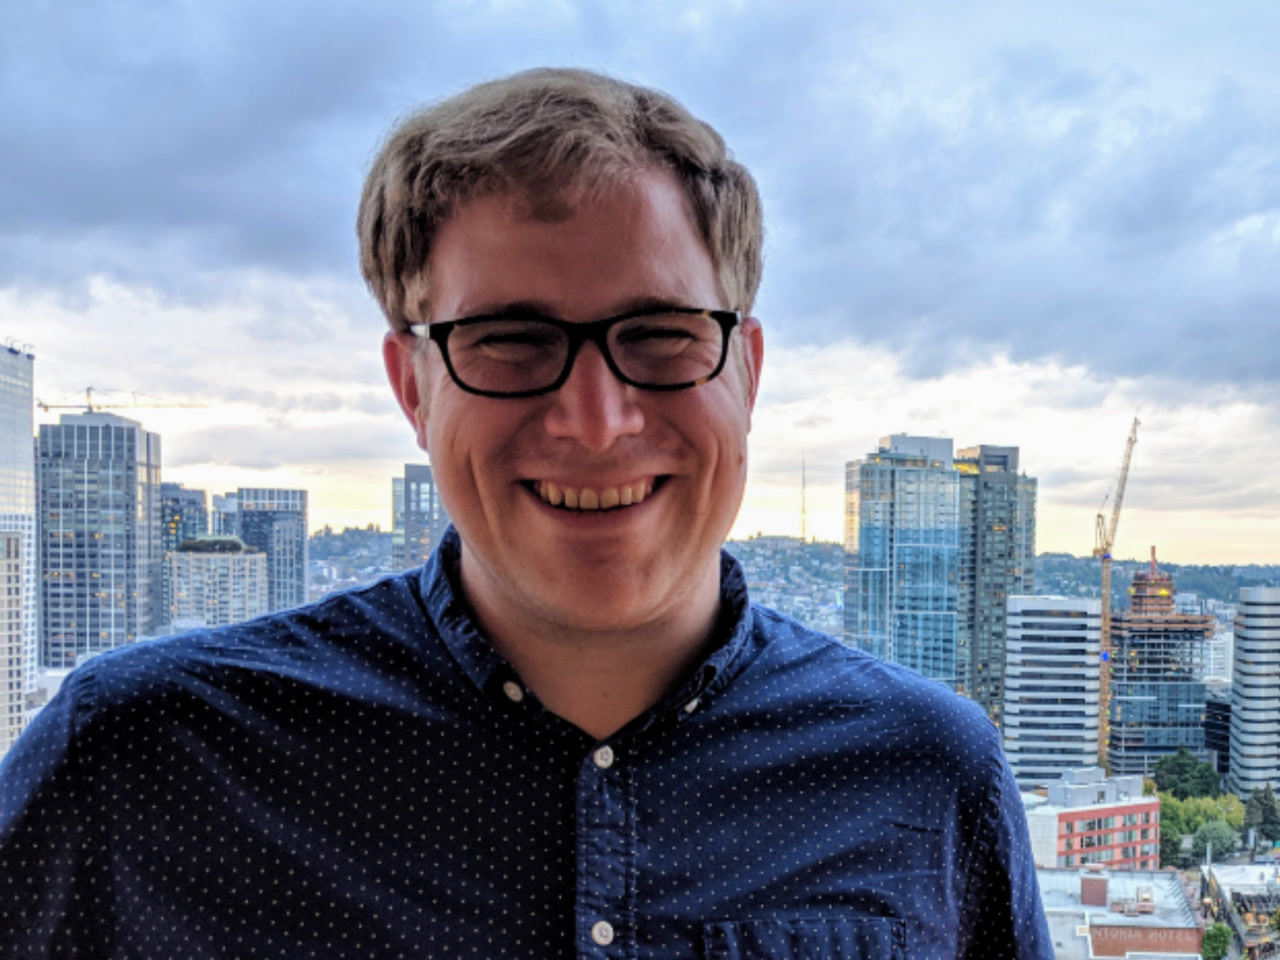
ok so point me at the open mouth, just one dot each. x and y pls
(566, 497)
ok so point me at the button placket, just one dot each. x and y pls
(605, 855)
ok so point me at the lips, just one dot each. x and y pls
(583, 498)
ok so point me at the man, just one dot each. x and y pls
(570, 734)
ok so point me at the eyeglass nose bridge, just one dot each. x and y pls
(595, 332)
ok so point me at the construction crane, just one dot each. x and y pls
(1104, 540)
(92, 406)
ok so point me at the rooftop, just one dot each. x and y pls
(1135, 898)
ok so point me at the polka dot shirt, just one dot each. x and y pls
(367, 778)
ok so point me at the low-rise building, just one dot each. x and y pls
(1244, 897)
(1090, 818)
(1096, 912)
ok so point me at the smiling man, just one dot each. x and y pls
(570, 734)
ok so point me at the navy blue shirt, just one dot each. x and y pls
(365, 777)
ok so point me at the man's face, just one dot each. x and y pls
(582, 570)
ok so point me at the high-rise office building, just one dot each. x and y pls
(1255, 691)
(184, 515)
(1051, 685)
(18, 492)
(216, 581)
(418, 519)
(935, 545)
(902, 543)
(100, 555)
(224, 519)
(997, 561)
(13, 686)
(275, 522)
(1157, 677)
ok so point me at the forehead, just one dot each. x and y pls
(631, 241)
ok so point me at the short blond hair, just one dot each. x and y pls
(550, 135)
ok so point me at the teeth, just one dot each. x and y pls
(586, 498)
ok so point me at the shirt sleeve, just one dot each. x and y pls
(51, 897)
(1007, 917)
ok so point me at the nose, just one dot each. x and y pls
(593, 406)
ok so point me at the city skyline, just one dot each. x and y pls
(1026, 225)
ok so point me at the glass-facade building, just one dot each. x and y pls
(997, 561)
(18, 493)
(275, 522)
(418, 518)
(100, 547)
(13, 694)
(902, 556)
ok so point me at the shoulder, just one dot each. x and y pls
(885, 702)
(322, 643)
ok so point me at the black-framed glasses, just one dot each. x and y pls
(657, 348)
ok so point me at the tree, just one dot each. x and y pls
(1216, 942)
(1253, 810)
(1270, 826)
(1219, 834)
(1170, 848)
(1232, 810)
(1275, 919)
(1184, 776)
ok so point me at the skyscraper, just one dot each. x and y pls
(1157, 677)
(1051, 687)
(18, 493)
(418, 518)
(1255, 691)
(224, 520)
(997, 561)
(216, 581)
(100, 555)
(275, 522)
(12, 678)
(902, 543)
(183, 515)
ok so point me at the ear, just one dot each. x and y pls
(752, 360)
(399, 355)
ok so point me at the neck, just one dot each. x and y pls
(597, 677)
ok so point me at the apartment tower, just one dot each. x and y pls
(216, 581)
(418, 518)
(18, 493)
(275, 522)
(100, 554)
(997, 561)
(1051, 687)
(1255, 692)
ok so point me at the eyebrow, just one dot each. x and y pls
(532, 309)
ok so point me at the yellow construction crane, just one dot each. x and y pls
(1104, 540)
(92, 406)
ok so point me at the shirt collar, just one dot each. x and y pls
(729, 653)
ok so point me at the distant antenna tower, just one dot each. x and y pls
(804, 513)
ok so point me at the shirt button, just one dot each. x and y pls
(602, 932)
(513, 691)
(604, 760)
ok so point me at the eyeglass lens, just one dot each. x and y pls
(517, 355)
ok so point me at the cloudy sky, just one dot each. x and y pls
(1000, 222)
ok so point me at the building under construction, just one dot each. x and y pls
(1157, 664)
